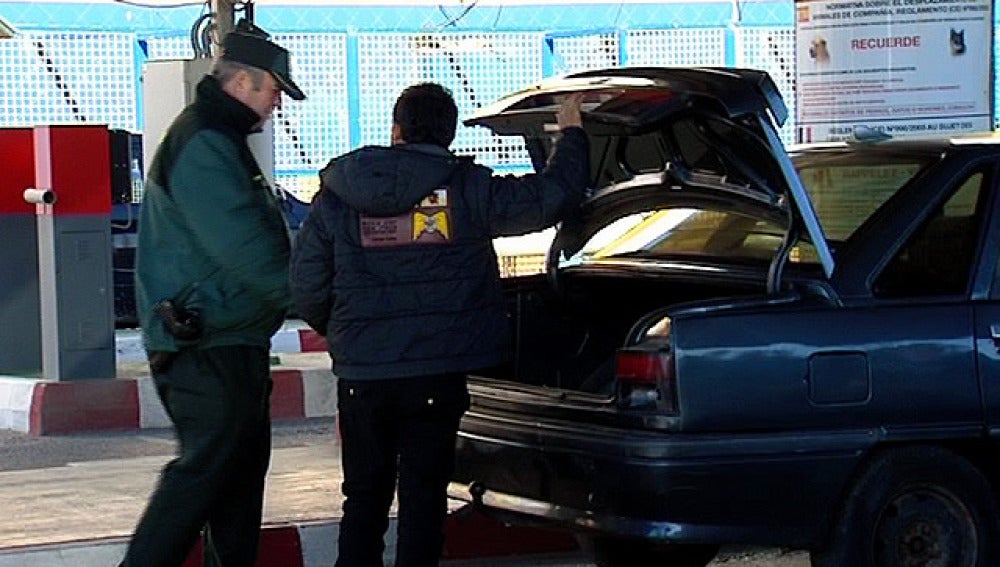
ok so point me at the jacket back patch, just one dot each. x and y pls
(430, 222)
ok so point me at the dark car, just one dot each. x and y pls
(736, 343)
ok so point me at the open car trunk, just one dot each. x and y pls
(566, 341)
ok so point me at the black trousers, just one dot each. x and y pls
(400, 428)
(219, 402)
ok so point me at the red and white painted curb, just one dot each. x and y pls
(468, 536)
(298, 340)
(41, 407)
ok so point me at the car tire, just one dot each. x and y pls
(612, 551)
(916, 506)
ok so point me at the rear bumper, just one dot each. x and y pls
(776, 489)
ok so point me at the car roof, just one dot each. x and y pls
(925, 144)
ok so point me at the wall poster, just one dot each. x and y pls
(901, 67)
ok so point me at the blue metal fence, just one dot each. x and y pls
(76, 62)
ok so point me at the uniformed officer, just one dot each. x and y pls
(212, 288)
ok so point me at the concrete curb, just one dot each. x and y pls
(468, 535)
(40, 407)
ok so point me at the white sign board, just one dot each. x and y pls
(902, 67)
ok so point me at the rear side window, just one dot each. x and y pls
(938, 257)
(846, 192)
(846, 189)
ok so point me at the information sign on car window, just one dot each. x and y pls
(901, 67)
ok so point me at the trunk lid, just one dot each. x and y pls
(696, 134)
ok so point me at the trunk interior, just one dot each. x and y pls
(567, 340)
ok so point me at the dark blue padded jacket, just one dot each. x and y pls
(395, 264)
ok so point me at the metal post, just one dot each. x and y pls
(48, 296)
(225, 19)
(261, 143)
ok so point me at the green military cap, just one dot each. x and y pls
(256, 50)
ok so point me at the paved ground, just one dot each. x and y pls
(52, 491)
(743, 557)
(735, 557)
(86, 486)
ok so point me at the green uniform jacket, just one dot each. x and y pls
(211, 234)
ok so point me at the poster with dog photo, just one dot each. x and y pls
(897, 67)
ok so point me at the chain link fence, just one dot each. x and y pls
(84, 64)
(62, 78)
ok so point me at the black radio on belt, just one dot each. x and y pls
(183, 324)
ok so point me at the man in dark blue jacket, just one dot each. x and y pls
(395, 266)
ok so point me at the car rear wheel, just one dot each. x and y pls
(611, 551)
(916, 506)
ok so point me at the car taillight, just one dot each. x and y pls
(646, 379)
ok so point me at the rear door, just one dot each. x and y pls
(987, 314)
(902, 363)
